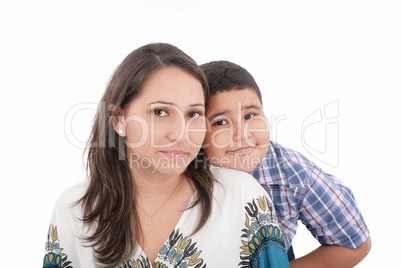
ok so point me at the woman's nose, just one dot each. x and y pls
(176, 129)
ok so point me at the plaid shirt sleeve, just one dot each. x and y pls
(302, 191)
(330, 211)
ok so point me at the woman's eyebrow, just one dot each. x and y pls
(160, 102)
(197, 104)
(171, 103)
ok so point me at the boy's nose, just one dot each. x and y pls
(240, 132)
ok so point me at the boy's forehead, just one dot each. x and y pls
(233, 99)
(245, 96)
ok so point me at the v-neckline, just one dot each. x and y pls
(178, 224)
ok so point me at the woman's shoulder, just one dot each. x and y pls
(235, 179)
(71, 195)
(223, 173)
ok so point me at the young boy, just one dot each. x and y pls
(239, 139)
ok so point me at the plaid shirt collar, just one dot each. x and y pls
(282, 167)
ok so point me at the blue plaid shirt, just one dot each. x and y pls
(302, 191)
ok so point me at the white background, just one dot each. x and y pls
(304, 55)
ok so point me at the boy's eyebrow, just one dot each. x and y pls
(242, 108)
(218, 114)
(251, 107)
(171, 103)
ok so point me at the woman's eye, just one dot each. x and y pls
(159, 112)
(220, 123)
(249, 116)
(194, 114)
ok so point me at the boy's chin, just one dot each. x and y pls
(246, 169)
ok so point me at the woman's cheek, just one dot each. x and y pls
(137, 134)
(196, 133)
(195, 139)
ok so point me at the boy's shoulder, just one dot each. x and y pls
(283, 166)
(283, 154)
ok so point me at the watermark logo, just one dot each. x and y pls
(74, 114)
(320, 134)
(319, 130)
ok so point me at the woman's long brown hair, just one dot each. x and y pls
(108, 204)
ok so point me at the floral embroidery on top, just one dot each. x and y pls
(54, 257)
(262, 237)
(178, 251)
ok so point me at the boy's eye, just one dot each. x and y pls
(249, 116)
(220, 123)
(194, 114)
(159, 112)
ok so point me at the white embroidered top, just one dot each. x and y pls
(242, 231)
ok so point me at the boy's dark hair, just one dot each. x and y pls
(226, 76)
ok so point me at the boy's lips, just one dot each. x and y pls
(174, 154)
(243, 150)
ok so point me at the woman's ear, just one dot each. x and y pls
(118, 123)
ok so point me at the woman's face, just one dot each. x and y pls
(165, 125)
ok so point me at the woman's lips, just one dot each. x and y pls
(174, 154)
(243, 150)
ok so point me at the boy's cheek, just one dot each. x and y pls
(210, 150)
(258, 125)
(221, 161)
(263, 138)
(217, 139)
(215, 147)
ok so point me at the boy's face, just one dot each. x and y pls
(239, 136)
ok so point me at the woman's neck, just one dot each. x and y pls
(155, 186)
(160, 202)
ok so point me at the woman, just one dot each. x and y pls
(150, 201)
